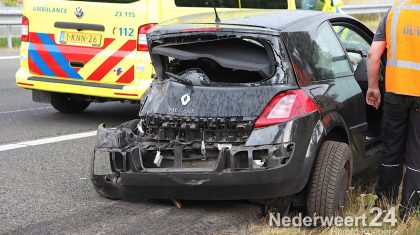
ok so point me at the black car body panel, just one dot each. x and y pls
(197, 136)
(210, 101)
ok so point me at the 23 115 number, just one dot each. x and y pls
(128, 14)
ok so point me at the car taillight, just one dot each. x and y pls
(142, 40)
(25, 29)
(285, 107)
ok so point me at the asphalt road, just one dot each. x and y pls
(46, 189)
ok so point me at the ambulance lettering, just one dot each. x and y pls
(50, 9)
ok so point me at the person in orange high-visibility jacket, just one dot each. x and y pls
(399, 33)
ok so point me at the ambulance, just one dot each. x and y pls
(77, 52)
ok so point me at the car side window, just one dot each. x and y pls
(351, 39)
(356, 46)
(328, 57)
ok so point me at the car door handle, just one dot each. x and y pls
(79, 26)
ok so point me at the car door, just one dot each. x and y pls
(335, 89)
(356, 39)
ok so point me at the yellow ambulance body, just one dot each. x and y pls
(75, 52)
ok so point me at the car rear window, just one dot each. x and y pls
(266, 4)
(232, 60)
(108, 1)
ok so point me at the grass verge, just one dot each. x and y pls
(15, 42)
(361, 202)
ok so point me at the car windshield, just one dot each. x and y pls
(310, 4)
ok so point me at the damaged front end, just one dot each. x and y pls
(196, 136)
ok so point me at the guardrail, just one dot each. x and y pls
(10, 16)
(373, 8)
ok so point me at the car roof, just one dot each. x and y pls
(272, 19)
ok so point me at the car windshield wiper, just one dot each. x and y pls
(179, 79)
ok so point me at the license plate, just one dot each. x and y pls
(85, 39)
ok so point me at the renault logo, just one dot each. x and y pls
(185, 99)
(79, 12)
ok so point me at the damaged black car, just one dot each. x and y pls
(266, 106)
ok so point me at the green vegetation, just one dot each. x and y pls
(15, 42)
(371, 21)
(10, 3)
(362, 199)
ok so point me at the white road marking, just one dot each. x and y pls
(46, 141)
(24, 110)
(10, 147)
(9, 57)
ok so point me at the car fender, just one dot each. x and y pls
(333, 122)
(317, 138)
(322, 132)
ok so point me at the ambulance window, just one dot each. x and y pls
(310, 4)
(208, 3)
(266, 4)
(111, 1)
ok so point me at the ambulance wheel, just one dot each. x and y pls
(65, 104)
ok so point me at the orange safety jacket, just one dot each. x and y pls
(403, 42)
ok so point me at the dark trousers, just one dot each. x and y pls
(401, 146)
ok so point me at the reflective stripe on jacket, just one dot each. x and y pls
(403, 42)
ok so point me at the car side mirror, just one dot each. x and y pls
(336, 3)
(357, 51)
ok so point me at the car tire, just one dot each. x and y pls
(330, 180)
(65, 104)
